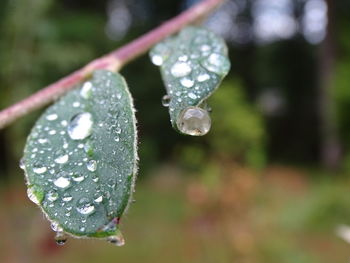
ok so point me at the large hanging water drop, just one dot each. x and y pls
(194, 121)
(80, 126)
(52, 117)
(117, 239)
(60, 238)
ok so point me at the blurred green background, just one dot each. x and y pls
(269, 183)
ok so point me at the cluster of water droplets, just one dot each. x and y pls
(193, 64)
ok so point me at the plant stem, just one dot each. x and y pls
(112, 61)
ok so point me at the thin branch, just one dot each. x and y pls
(112, 61)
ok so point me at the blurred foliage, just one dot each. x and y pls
(238, 129)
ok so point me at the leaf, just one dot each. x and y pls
(193, 64)
(80, 159)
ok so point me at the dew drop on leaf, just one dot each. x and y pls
(180, 69)
(217, 63)
(85, 207)
(77, 177)
(39, 168)
(61, 157)
(203, 77)
(52, 117)
(187, 82)
(85, 91)
(91, 165)
(31, 195)
(166, 100)
(62, 182)
(22, 164)
(52, 195)
(157, 60)
(80, 126)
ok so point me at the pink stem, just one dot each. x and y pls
(112, 61)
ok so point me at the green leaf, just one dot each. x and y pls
(80, 159)
(193, 64)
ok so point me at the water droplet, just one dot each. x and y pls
(64, 123)
(39, 168)
(32, 197)
(42, 140)
(22, 164)
(205, 48)
(183, 58)
(76, 104)
(78, 177)
(217, 63)
(52, 196)
(180, 69)
(98, 198)
(61, 157)
(85, 91)
(80, 126)
(60, 238)
(191, 95)
(85, 207)
(186, 82)
(166, 100)
(117, 240)
(67, 197)
(51, 117)
(194, 121)
(56, 227)
(157, 60)
(203, 77)
(62, 182)
(91, 165)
